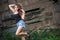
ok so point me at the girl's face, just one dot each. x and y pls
(16, 8)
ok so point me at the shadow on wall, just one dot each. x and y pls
(55, 1)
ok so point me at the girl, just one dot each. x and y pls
(19, 15)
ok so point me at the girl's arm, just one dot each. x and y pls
(11, 7)
(22, 14)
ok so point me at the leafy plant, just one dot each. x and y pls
(35, 35)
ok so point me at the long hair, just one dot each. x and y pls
(19, 6)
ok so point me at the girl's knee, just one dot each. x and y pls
(17, 33)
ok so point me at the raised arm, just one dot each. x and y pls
(11, 6)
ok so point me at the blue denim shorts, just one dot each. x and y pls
(20, 23)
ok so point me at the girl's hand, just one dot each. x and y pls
(12, 5)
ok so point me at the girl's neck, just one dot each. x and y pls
(16, 12)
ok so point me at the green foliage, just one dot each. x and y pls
(10, 36)
(35, 35)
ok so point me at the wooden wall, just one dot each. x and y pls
(41, 12)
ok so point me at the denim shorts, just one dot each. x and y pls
(20, 23)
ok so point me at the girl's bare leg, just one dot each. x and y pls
(20, 32)
(23, 38)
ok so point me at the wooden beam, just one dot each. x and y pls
(3, 11)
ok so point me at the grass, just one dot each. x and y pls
(52, 34)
